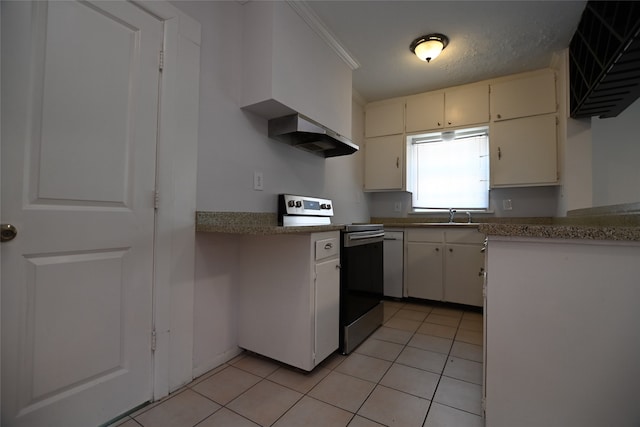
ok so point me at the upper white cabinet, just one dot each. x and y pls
(425, 112)
(384, 163)
(521, 111)
(524, 151)
(529, 95)
(287, 68)
(384, 118)
(523, 133)
(460, 106)
(466, 105)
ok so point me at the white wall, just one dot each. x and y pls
(525, 202)
(616, 156)
(232, 145)
(234, 142)
(576, 173)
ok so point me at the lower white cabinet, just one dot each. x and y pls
(445, 264)
(424, 273)
(289, 297)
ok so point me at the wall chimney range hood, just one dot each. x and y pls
(301, 132)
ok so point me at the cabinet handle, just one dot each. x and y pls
(481, 271)
(397, 162)
(328, 246)
(499, 153)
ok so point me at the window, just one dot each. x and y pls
(449, 169)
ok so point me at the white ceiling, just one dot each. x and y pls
(487, 39)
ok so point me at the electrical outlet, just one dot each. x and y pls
(397, 207)
(258, 181)
(506, 204)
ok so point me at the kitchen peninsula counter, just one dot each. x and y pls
(562, 297)
(254, 223)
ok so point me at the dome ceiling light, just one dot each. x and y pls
(429, 47)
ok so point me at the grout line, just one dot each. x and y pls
(377, 383)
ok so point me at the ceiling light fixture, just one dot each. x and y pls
(429, 46)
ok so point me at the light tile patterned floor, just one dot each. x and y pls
(423, 367)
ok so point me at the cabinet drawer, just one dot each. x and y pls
(326, 248)
(464, 236)
(424, 235)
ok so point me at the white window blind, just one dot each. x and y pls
(450, 170)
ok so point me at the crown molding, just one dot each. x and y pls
(310, 17)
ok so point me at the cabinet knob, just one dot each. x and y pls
(437, 249)
(449, 123)
(481, 273)
(450, 249)
(499, 116)
(439, 124)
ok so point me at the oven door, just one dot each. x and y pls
(361, 280)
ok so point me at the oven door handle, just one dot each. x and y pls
(361, 236)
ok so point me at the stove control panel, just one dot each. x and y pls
(313, 210)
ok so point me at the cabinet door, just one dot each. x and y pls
(524, 97)
(466, 105)
(384, 118)
(327, 308)
(425, 112)
(464, 265)
(384, 163)
(423, 270)
(523, 151)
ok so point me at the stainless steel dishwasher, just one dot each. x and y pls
(393, 263)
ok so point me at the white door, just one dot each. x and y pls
(79, 123)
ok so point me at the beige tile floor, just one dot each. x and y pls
(423, 367)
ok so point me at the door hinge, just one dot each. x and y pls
(161, 64)
(153, 340)
(156, 200)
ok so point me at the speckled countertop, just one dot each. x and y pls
(252, 223)
(619, 222)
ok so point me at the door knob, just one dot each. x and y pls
(7, 232)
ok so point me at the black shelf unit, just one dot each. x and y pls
(605, 59)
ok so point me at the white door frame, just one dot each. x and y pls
(174, 247)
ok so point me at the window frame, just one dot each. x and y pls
(447, 135)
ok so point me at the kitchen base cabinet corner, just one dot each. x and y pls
(289, 297)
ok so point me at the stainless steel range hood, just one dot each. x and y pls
(302, 132)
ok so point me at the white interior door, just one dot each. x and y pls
(79, 123)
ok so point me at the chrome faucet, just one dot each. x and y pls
(469, 217)
(452, 214)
